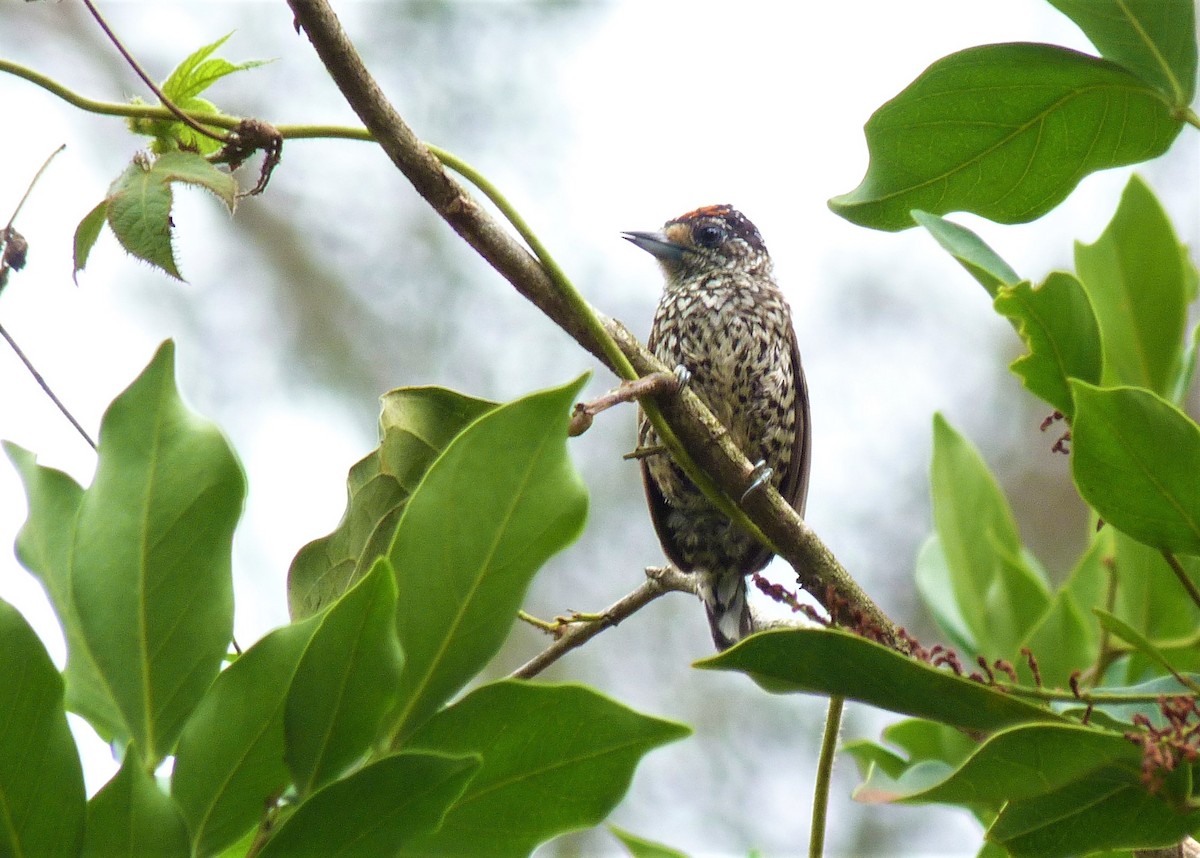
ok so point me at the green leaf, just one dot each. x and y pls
(999, 592)
(345, 683)
(131, 816)
(1154, 39)
(139, 203)
(138, 565)
(197, 72)
(191, 169)
(378, 810)
(935, 585)
(230, 763)
(139, 212)
(556, 758)
(41, 781)
(1136, 277)
(85, 236)
(1057, 324)
(494, 506)
(415, 426)
(1107, 809)
(829, 661)
(1148, 598)
(1135, 457)
(1033, 760)
(44, 547)
(1063, 640)
(640, 847)
(150, 574)
(972, 253)
(1138, 641)
(1006, 132)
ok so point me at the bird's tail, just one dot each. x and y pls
(724, 598)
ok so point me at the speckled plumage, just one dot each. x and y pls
(723, 318)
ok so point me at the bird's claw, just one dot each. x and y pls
(761, 475)
(683, 375)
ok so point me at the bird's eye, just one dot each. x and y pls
(708, 235)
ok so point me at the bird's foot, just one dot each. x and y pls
(760, 476)
(683, 375)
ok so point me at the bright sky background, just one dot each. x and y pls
(650, 109)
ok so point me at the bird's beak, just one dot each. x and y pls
(656, 244)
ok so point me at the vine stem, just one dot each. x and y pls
(820, 811)
(155, 88)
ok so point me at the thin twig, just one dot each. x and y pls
(1185, 580)
(651, 385)
(155, 88)
(32, 183)
(37, 376)
(659, 582)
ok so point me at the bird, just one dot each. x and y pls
(725, 326)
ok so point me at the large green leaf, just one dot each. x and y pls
(1154, 39)
(139, 564)
(1148, 595)
(41, 781)
(415, 425)
(1057, 324)
(1000, 593)
(1062, 789)
(1135, 458)
(345, 683)
(499, 501)
(230, 763)
(132, 817)
(378, 810)
(1006, 132)
(555, 758)
(833, 662)
(1136, 275)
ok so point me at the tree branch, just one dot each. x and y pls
(699, 433)
(660, 580)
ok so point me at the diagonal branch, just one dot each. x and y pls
(700, 434)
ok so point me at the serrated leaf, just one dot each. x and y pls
(41, 781)
(85, 236)
(833, 662)
(230, 762)
(130, 816)
(998, 589)
(415, 425)
(972, 253)
(378, 810)
(1135, 276)
(139, 212)
(492, 508)
(345, 683)
(640, 847)
(192, 169)
(1154, 39)
(197, 72)
(1134, 457)
(536, 742)
(1004, 131)
(1057, 324)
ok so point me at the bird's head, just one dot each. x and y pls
(709, 239)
